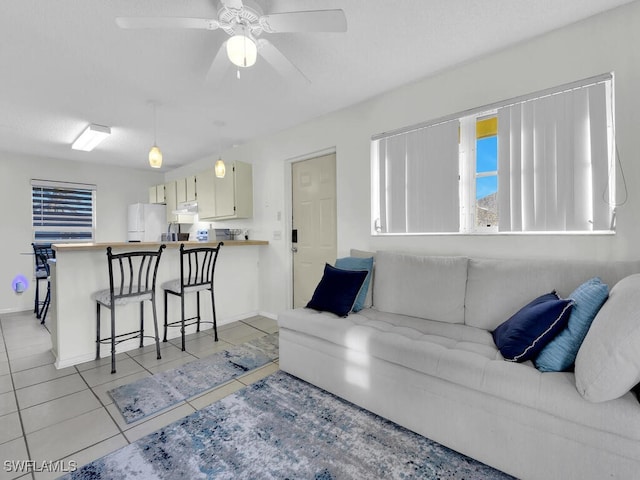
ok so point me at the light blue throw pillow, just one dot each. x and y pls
(357, 263)
(560, 354)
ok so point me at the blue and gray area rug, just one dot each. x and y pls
(153, 394)
(282, 427)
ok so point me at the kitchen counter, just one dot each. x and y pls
(82, 269)
(69, 247)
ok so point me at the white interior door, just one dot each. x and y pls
(314, 221)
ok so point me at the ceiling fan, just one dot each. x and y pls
(245, 22)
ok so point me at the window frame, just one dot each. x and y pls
(41, 226)
(467, 162)
(471, 135)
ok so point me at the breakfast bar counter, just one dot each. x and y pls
(74, 247)
(81, 269)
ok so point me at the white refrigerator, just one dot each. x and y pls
(146, 222)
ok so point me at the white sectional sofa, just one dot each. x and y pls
(423, 356)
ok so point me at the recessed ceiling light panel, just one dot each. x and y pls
(91, 137)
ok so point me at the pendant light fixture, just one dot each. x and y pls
(155, 155)
(219, 168)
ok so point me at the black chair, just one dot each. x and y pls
(197, 266)
(42, 313)
(42, 252)
(132, 278)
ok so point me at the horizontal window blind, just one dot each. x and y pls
(62, 211)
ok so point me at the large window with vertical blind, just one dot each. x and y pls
(62, 211)
(538, 163)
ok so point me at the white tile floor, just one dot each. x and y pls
(50, 415)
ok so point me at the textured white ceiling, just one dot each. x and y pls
(65, 64)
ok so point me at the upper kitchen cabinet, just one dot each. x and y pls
(171, 199)
(228, 197)
(156, 194)
(186, 189)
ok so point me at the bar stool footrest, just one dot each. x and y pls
(129, 335)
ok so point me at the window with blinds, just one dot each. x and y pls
(555, 162)
(538, 163)
(62, 211)
(418, 180)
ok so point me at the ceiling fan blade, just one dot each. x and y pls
(311, 21)
(233, 4)
(219, 66)
(277, 60)
(167, 22)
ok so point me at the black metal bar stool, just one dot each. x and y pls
(42, 252)
(132, 278)
(197, 266)
(42, 313)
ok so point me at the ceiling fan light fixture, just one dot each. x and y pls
(242, 50)
(155, 157)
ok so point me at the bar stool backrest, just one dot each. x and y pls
(42, 259)
(42, 253)
(133, 274)
(197, 266)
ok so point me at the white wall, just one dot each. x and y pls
(116, 188)
(601, 44)
(604, 43)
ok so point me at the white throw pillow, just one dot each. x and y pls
(608, 362)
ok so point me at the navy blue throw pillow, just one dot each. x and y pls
(530, 329)
(337, 291)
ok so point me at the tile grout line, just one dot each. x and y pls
(144, 369)
(15, 395)
(102, 405)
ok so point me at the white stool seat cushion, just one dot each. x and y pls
(174, 286)
(104, 297)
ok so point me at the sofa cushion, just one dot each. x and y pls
(337, 290)
(359, 330)
(560, 353)
(421, 286)
(522, 336)
(358, 263)
(457, 354)
(510, 283)
(608, 362)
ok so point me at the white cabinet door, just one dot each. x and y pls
(225, 195)
(156, 194)
(171, 201)
(191, 192)
(206, 194)
(186, 189)
(181, 190)
(243, 189)
(226, 198)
